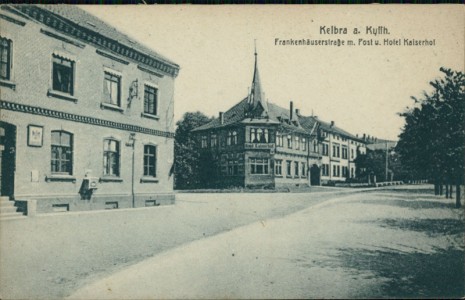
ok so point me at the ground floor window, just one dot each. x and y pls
(111, 156)
(62, 152)
(344, 171)
(336, 171)
(258, 165)
(296, 168)
(278, 167)
(150, 160)
(288, 168)
(304, 169)
(324, 170)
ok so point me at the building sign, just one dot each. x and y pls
(35, 135)
(260, 146)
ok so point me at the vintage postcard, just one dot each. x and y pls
(302, 151)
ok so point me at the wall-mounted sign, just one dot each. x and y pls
(35, 135)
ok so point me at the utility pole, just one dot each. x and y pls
(386, 173)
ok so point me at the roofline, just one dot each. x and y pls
(144, 59)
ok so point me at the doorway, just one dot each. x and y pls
(7, 159)
(315, 175)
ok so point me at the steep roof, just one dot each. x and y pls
(256, 96)
(77, 16)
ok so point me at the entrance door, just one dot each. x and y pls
(315, 175)
(7, 158)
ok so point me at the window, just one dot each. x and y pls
(229, 138)
(289, 141)
(150, 100)
(258, 135)
(344, 171)
(297, 143)
(63, 73)
(325, 149)
(304, 144)
(288, 168)
(258, 165)
(336, 171)
(296, 168)
(150, 160)
(112, 89)
(279, 139)
(344, 152)
(213, 140)
(232, 168)
(62, 152)
(203, 141)
(111, 155)
(234, 138)
(304, 170)
(325, 170)
(278, 167)
(352, 172)
(5, 58)
(253, 135)
(315, 146)
(336, 150)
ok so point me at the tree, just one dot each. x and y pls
(186, 154)
(433, 139)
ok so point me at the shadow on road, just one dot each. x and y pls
(432, 227)
(412, 204)
(409, 275)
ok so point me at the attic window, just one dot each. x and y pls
(90, 23)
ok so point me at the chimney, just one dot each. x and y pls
(364, 136)
(356, 135)
(332, 123)
(221, 117)
(291, 110)
(297, 111)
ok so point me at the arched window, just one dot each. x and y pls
(259, 135)
(229, 139)
(111, 155)
(265, 136)
(253, 135)
(62, 152)
(234, 138)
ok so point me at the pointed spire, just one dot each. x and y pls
(256, 96)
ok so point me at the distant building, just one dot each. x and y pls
(86, 112)
(259, 144)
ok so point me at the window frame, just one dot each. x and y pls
(59, 160)
(156, 99)
(278, 170)
(118, 157)
(256, 162)
(144, 165)
(9, 63)
(105, 103)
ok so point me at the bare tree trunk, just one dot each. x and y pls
(457, 196)
(451, 191)
(447, 190)
(441, 188)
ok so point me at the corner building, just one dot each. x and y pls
(259, 144)
(86, 113)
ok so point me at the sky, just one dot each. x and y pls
(362, 88)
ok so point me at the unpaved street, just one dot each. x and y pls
(403, 242)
